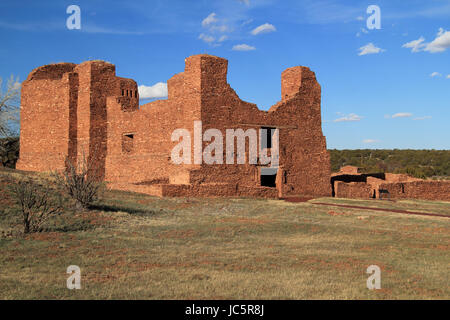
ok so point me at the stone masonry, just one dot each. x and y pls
(85, 110)
(350, 183)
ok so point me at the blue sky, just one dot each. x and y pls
(381, 88)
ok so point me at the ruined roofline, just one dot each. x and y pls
(55, 71)
(51, 71)
(204, 55)
(294, 80)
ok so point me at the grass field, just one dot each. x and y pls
(133, 246)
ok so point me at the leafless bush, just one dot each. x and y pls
(35, 203)
(79, 183)
(9, 109)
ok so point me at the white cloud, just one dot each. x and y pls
(360, 18)
(401, 115)
(246, 22)
(347, 118)
(415, 45)
(213, 27)
(363, 31)
(222, 28)
(441, 43)
(448, 76)
(264, 28)
(406, 115)
(435, 74)
(158, 90)
(369, 48)
(209, 19)
(370, 141)
(206, 38)
(243, 47)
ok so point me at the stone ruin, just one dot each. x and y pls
(85, 111)
(74, 111)
(349, 182)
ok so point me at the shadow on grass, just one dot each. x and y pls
(80, 225)
(129, 210)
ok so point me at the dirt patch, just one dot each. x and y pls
(334, 213)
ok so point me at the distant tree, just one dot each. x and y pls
(418, 163)
(9, 107)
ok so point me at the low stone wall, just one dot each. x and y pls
(217, 190)
(359, 190)
(154, 190)
(375, 185)
(427, 190)
(198, 190)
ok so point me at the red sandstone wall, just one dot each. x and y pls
(63, 113)
(131, 145)
(97, 82)
(149, 158)
(46, 100)
(428, 190)
(349, 170)
(303, 154)
(355, 190)
(375, 183)
(152, 126)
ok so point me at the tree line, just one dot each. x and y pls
(418, 163)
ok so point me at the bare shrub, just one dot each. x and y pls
(80, 183)
(9, 107)
(35, 203)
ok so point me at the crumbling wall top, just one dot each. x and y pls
(293, 79)
(51, 71)
(97, 66)
(205, 67)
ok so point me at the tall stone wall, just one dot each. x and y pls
(303, 155)
(45, 117)
(63, 115)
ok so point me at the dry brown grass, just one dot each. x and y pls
(137, 246)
